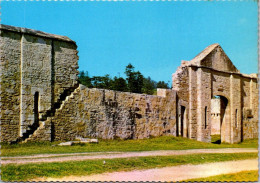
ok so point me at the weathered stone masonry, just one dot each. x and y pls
(40, 97)
(209, 74)
(34, 66)
(110, 114)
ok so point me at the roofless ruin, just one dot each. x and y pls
(41, 99)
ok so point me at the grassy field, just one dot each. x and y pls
(158, 143)
(25, 172)
(245, 176)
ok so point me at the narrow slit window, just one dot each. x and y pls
(206, 122)
(236, 122)
(36, 105)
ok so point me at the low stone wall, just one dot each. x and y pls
(111, 114)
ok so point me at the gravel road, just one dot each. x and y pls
(110, 155)
(176, 173)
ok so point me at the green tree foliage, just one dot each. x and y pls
(101, 81)
(134, 79)
(119, 84)
(162, 84)
(85, 79)
(149, 86)
(135, 82)
(139, 82)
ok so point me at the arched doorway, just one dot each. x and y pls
(219, 118)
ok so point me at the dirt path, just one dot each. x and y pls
(176, 173)
(111, 155)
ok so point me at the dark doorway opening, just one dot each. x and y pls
(52, 132)
(182, 120)
(220, 118)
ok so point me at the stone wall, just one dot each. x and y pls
(10, 73)
(249, 124)
(250, 129)
(110, 114)
(34, 66)
(181, 84)
(65, 66)
(36, 76)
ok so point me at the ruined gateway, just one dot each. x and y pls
(41, 99)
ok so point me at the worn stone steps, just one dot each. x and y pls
(42, 125)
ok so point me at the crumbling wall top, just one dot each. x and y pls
(35, 32)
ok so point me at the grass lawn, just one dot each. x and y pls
(158, 143)
(25, 172)
(244, 176)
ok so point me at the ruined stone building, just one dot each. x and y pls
(41, 99)
(213, 97)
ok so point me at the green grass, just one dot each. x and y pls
(12, 172)
(244, 176)
(158, 143)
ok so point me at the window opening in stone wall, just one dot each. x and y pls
(36, 110)
(236, 118)
(206, 117)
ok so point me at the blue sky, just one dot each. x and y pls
(153, 36)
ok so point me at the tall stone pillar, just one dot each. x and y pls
(199, 104)
(254, 97)
(204, 93)
(192, 103)
(234, 124)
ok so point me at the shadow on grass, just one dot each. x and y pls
(216, 142)
(215, 139)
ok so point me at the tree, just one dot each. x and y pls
(149, 86)
(85, 79)
(119, 84)
(103, 82)
(135, 82)
(129, 69)
(139, 82)
(134, 79)
(162, 84)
